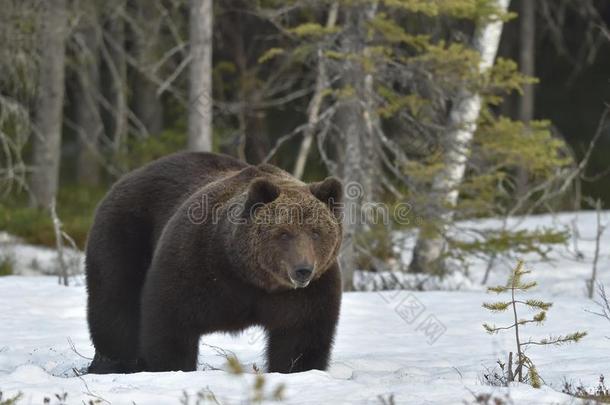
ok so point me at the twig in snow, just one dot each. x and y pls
(71, 343)
(600, 230)
(59, 243)
(220, 351)
(65, 261)
(603, 303)
(91, 394)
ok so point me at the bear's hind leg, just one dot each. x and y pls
(118, 255)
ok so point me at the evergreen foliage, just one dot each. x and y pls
(419, 66)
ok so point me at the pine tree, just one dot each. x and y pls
(409, 69)
(524, 369)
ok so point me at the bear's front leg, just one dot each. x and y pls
(164, 351)
(300, 349)
(167, 341)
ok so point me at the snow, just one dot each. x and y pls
(422, 347)
(30, 260)
(565, 273)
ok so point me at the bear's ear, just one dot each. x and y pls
(330, 192)
(260, 192)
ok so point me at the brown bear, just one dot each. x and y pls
(195, 243)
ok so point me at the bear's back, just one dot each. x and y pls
(150, 194)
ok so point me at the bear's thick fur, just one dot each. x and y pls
(195, 243)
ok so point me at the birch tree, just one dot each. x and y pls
(427, 255)
(200, 76)
(49, 103)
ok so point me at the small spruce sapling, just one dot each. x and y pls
(524, 369)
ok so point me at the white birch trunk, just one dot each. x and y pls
(49, 104)
(316, 101)
(462, 126)
(200, 76)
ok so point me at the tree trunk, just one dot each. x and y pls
(527, 64)
(527, 56)
(116, 67)
(49, 104)
(200, 76)
(253, 142)
(313, 110)
(147, 105)
(427, 255)
(257, 140)
(356, 165)
(89, 123)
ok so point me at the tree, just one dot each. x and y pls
(49, 103)
(18, 70)
(147, 105)
(313, 110)
(356, 150)
(462, 126)
(250, 88)
(200, 76)
(527, 56)
(88, 120)
(527, 65)
(392, 81)
(524, 366)
(114, 62)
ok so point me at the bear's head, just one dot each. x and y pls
(292, 231)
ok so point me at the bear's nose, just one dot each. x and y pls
(303, 273)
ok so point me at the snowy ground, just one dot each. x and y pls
(420, 347)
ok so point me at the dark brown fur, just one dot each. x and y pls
(160, 273)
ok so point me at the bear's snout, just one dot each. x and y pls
(301, 275)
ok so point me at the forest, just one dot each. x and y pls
(472, 139)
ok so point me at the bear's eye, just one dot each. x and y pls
(315, 235)
(284, 236)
